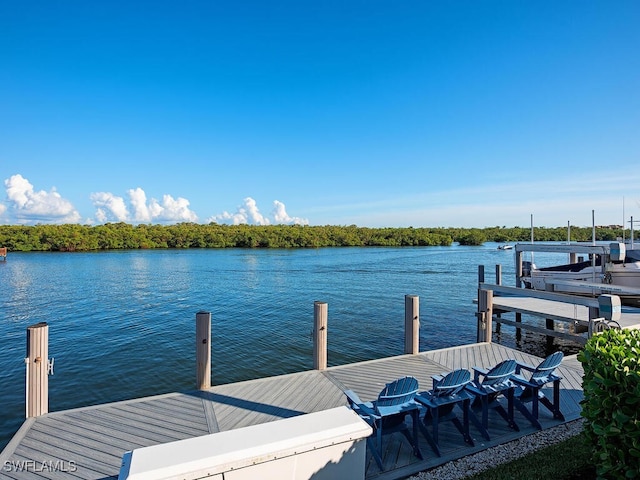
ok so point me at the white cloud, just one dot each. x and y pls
(113, 208)
(249, 213)
(172, 210)
(28, 205)
(109, 206)
(246, 213)
(138, 201)
(280, 215)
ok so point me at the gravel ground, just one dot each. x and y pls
(504, 453)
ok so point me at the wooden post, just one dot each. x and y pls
(498, 282)
(550, 324)
(518, 268)
(411, 324)
(320, 315)
(485, 314)
(203, 350)
(480, 273)
(37, 361)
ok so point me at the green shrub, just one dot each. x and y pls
(611, 404)
(473, 237)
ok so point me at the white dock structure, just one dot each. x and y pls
(576, 316)
(575, 313)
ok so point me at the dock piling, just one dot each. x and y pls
(320, 315)
(37, 363)
(485, 315)
(411, 324)
(203, 350)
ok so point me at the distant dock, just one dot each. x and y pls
(579, 315)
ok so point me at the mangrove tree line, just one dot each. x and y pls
(112, 236)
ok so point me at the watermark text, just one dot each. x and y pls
(36, 466)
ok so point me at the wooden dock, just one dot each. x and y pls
(88, 443)
(574, 311)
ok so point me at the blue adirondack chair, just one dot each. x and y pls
(447, 392)
(488, 386)
(531, 385)
(388, 414)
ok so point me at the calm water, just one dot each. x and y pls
(122, 324)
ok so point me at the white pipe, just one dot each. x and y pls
(623, 219)
(531, 240)
(593, 256)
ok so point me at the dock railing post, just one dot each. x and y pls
(485, 314)
(411, 324)
(498, 282)
(203, 350)
(320, 315)
(38, 367)
(518, 267)
(480, 273)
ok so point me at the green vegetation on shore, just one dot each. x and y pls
(567, 460)
(115, 236)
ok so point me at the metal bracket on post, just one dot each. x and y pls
(482, 326)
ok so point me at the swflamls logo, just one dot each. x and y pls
(50, 466)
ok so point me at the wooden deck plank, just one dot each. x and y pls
(23, 468)
(184, 406)
(125, 413)
(164, 416)
(132, 426)
(254, 402)
(50, 441)
(88, 464)
(91, 424)
(70, 427)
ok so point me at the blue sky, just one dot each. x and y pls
(411, 113)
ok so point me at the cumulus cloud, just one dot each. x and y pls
(29, 205)
(110, 207)
(26, 205)
(138, 200)
(249, 213)
(246, 213)
(280, 215)
(172, 210)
